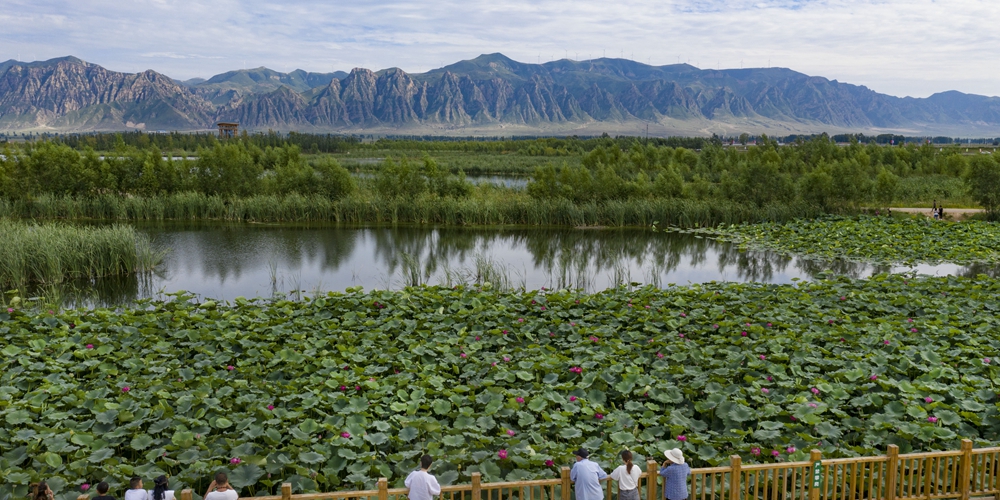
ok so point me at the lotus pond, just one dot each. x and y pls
(334, 391)
(880, 240)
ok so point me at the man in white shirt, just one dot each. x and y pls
(422, 485)
(220, 489)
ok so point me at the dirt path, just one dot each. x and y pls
(949, 213)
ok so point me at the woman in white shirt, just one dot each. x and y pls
(160, 491)
(627, 476)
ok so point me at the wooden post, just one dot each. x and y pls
(187, 494)
(816, 457)
(286, 491)
(964, 481)
(477, 488)
(565, 483)
(383, 488)
(652, 476)
(735, 477)
(892, 469)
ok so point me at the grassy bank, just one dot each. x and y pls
(333, 392)
(33, 254)
(486, 207)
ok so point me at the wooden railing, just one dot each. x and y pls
(935, 475)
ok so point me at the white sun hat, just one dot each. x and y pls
(675, 455)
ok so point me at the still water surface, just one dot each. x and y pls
(224, 261)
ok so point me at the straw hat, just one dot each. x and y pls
(675, 455)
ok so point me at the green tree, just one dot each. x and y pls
(983, 181)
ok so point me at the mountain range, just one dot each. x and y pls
(491, 94)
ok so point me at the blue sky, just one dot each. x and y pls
(899, 47)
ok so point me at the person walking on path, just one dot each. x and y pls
(627, 476)
(587, 475)
(422, 484)
(675, 473)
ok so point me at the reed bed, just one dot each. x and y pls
(53, 253)
(491, 207)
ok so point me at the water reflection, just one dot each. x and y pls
(229, 260)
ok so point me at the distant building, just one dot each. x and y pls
(228, 130)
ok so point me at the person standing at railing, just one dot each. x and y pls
(422, 484)
(587, 475)
(675, 473)
(627, 476)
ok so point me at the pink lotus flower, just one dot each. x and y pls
(357, 388)
(914, 330)
(790, 449)
(743, 334)
(815, 390)
(793, 419)
(594, 339)
(775, 453)
(551, 334)
(126, 389)
(345, 435)
(932, 419)
(549, 463)
(986, 360)
(650, 341)
(682, 437)
(572, 398)
(715, 326)
(234, 460)
(682, 335)
(928, 399)
(763, 357)
(502, 454)
(519, 399)
(510, 432)
(343, 388)
(478, 337)
(505, 332)
(532, 302)
(769, 325)
(829, 322)
(520, 320)
(770, 378)
(765, 390)
(463, 355)
(494, 363)
(347, 367)
(873, 377)
(659, 355)
(886, 342)
(843, 298)
(909, 320)
(630, 305)
(270, 407)
(812, 405)
(572, 324)
(230, 367)
(89, 346)
(599, 416)
(755, 451)
(684, 315)
(506, 359)
(543, 308)
(647, 307)
(576, 369)
(842, 339)
(85, 486)
(10, 309)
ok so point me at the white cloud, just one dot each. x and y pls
(901, 47)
